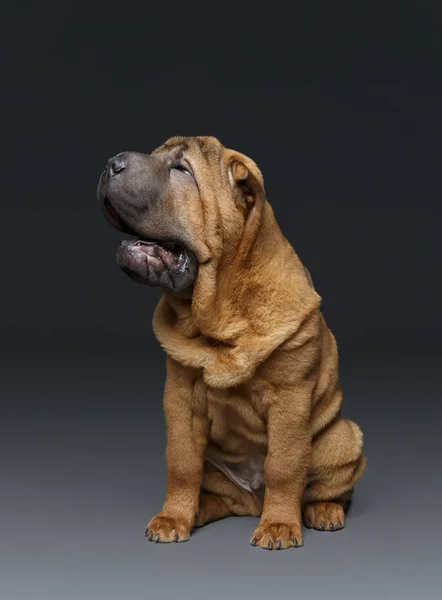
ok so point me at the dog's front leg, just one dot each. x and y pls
(285, 470)
(187, 432)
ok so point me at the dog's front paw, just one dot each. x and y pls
(277, 536)
(164, 528)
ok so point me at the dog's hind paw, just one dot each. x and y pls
(324, 516)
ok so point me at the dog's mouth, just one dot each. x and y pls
(166, 262)
(156, 253)
(171, 255)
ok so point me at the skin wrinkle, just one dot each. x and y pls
(252, 382)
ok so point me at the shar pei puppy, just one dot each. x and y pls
(252, 397)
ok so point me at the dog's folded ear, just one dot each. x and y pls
(246, 181)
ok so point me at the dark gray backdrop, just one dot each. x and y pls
(342, 111)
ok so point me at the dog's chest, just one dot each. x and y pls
(237, 422)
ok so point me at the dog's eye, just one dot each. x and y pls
(182, 168)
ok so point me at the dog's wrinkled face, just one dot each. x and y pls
(185, 204)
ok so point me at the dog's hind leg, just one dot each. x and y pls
(213, 507)
(337, 464)
(221, 498)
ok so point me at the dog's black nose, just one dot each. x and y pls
(116, 165)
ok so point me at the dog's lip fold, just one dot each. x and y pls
(114, 218)
(111, 210)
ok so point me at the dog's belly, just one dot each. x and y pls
(238, 440)
(247, 474)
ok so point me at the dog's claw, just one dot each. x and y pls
(270, 546)
(331, 526)
(253, 542)
(156, 538)
(176, 537)
(321, 525)
(146, 532)
(278, 544)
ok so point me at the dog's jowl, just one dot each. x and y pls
(252, 397)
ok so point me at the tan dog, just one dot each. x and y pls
(252, 398)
